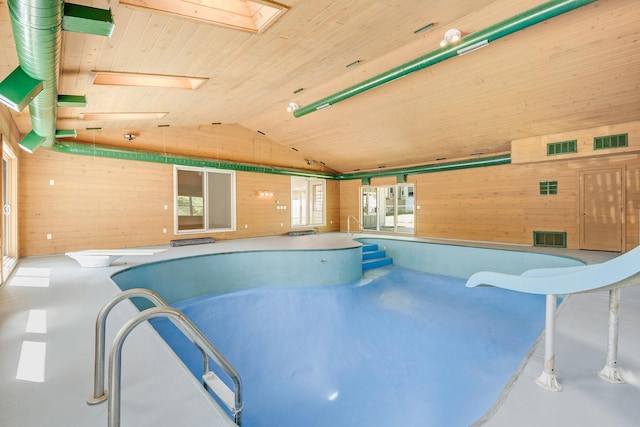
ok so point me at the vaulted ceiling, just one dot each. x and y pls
(577, 70)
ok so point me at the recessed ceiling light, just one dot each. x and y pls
(113, 78)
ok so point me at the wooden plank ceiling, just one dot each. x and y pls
(578, 70)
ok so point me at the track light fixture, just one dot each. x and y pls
(451, 36)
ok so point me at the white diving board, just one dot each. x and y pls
(622, 271)
(104, 257)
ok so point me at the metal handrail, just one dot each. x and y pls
(190, 331)
(349, 218)
(184, 324)
(99, 393)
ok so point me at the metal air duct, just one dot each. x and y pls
(467, 44)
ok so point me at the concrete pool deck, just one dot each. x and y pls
(158, 391)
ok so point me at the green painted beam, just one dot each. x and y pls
(88, 20)
(72, 101)
(542, 12)
(18, 89)
(31, 142)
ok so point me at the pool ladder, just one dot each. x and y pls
(231, 399)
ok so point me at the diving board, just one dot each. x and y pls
(622, 271)
(104, 257)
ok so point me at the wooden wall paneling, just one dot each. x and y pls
(349, 202)
(106, 203)
(534, 149)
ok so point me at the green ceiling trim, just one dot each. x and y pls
(430, 168)
(88, 20)
(148, 156)
(18, 89)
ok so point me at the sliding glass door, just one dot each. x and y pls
(388, 208)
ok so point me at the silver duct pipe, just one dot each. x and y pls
(37, 30)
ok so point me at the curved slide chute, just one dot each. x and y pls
(622, 271)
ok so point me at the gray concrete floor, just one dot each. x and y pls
(157, 389)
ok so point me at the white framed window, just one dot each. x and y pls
(307, 201)
(205, 200)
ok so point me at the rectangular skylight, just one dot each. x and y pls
(246, 15)
(122, 116)
(112, 78)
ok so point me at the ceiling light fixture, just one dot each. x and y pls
(451, 36)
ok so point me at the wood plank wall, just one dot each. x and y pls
(503, 204)
(104, 203)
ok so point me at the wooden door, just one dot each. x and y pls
(601, 209)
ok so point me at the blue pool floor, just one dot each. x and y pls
(404, 348)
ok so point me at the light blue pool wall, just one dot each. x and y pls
(463, 261)
(185, 278)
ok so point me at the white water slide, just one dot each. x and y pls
(612, 275)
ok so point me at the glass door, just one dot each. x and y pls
(369, 208)
(388, 208)
(9, 211)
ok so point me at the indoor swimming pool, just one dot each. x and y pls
(402, 347)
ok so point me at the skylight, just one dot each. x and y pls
(113, 78)
(247, 15)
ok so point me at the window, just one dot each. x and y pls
(205, 200)
(563, 147)
(307, 201)
(610, 141)
(388, 208)
(548, 188)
